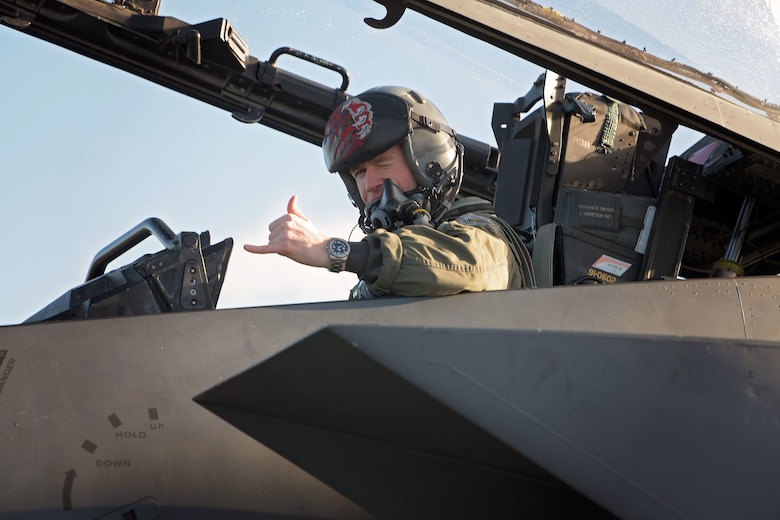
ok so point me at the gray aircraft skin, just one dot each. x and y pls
(636, 380)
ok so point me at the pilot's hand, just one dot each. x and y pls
(294, 236)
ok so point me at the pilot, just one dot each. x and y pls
(402, 167)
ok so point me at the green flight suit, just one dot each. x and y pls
(469, 252)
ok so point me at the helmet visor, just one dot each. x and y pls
(363, 127)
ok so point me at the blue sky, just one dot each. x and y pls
(88, 151)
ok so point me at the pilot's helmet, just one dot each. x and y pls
(374, 121)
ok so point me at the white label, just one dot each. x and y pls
(611, 265)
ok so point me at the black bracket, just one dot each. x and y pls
(687, 178)
(395, 10)
(554, 92)
(146, 7)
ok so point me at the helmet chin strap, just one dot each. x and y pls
(396, 208)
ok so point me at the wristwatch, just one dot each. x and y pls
(338, 251)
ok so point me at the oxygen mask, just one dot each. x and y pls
(395, 208)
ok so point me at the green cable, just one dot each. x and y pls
(609, 131)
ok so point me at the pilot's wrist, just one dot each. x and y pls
(338, 251)
(357, 257)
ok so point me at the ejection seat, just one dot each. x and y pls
(187, 275)
(580, 178)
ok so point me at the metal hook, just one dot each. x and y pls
(395, 10)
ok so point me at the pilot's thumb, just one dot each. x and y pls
(292, 207)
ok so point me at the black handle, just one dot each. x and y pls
(151, 226)
(312, 59)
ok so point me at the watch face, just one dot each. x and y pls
(339, 248)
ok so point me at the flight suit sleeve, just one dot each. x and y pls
(466, 254)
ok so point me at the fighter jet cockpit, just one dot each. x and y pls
(601, 189)
(151, 368)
